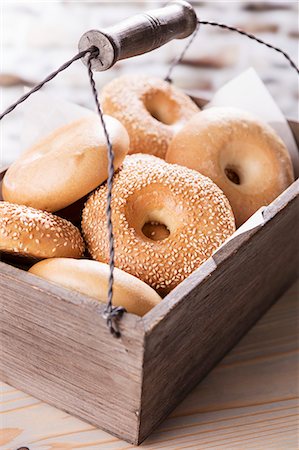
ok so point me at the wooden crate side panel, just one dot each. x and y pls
(153, 317)
(212, 317)
(61, 352)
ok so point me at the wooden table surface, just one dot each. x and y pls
(249, 401)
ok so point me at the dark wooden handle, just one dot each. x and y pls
(140, 34)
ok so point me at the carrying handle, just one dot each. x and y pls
(139, 34)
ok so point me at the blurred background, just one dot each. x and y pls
(38, 36)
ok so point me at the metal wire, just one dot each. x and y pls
(230, 28)
(92, 50)
(181, 55)
(111, 313)
(251, 36)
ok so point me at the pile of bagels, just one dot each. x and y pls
(184, 179)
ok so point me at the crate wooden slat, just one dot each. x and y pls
(56, 346)
(210, 311)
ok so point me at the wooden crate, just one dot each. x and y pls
(56, 346)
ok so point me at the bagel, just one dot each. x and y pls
(37, 234)
(194, 213)
(91, 278)
(151, 109)
(66, 165)
(241, 154)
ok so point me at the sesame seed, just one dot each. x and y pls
(162, 264)
(31, 223)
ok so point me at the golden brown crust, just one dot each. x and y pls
(241, 154)
(138, 102)
(91, 278)
(66, 165)
(193, 208)
(37, 234)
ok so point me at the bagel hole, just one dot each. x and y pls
(155, 231)
(232, 174)
(161, 108)
(152, 213)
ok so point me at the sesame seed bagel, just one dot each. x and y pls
(37, 234)
(241, 154)
(193, 211)
(91, 278)
(151, 109)
(66, 165)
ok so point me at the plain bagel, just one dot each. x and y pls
(192, 210)
(151, 109)
(241, 154)
(66, 165)
(91, 278)
(37, 234)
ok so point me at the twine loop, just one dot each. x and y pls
(112, 315)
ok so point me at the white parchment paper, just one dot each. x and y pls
(43, 113)
(248, 92)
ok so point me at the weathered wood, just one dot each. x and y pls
(196, 324)
(248, 401)
(56, 346)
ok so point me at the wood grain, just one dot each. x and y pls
(215, 306)
(56, 346)
(249, 401)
